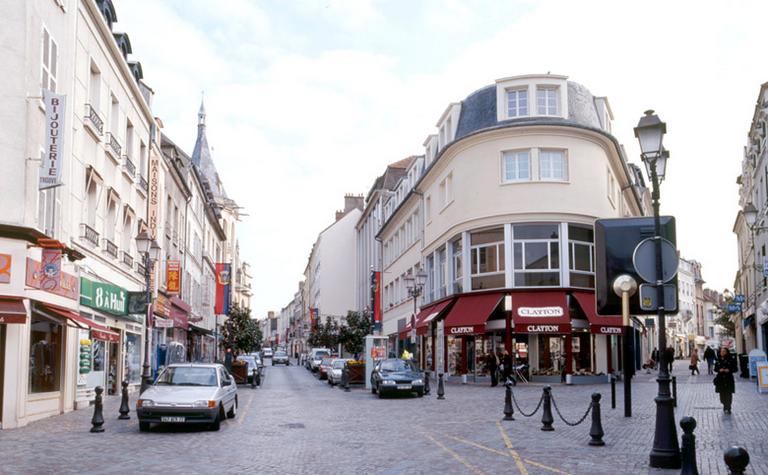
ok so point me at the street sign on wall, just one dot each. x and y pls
(101, 296)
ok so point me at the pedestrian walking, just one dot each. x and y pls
(694, 366)
(655, 355)
(492, 365)
(709, 356)
(725, 366)
(669, 357)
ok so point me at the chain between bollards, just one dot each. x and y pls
(596, 430)
(508, 409)
(97, 422)
(440, 387)
(124, 408)
(737, 459)
(688, 449)
(546, 417)
(560, 415)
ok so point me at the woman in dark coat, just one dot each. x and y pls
(725, 366)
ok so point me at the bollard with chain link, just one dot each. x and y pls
(508, 410)
(546, 417)
(124, 409)
(97, 422)
(345, 378)
(688, 449)
(426, 382)
(737, 459)
(538, 406)
(596, 430)
(440, 387)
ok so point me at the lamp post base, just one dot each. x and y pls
(146, 379)
(666, 449)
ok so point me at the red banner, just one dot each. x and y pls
(376, 296)
(223, 283)
(172, 277)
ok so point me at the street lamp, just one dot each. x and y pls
(150, 251)
(650, 132)
(415, 284)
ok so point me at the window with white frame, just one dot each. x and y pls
(430, 283)
(536, 255)
(50, 56)
(45, 211)
(581, 258)
(553, 165)
(440, 273)
(446, 190)
(611, 187)
(548, 100)
(458, 265)
(487, 259)
(516, 166)
(517, 102)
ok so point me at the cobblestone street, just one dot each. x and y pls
(296, 424)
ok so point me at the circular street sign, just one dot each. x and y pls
(644, 260)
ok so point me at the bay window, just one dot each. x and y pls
(553, 165)
(516, 166)
(536, 255)
(487, 256)
(582, 256)
(458, 266)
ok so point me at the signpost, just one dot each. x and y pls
(762, 377)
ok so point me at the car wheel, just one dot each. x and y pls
(420, 393)
(233, 412)
(373, 389)
(216, 425)
(143, 426)
(378, 390)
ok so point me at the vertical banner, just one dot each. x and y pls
(376, 300)
(51, 270)
(50, 167)
(223, 279)
(154, 193)
(172, 277)
(312, 318)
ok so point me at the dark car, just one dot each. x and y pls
(392, 376)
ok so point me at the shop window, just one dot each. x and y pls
(133, 358)
(551, 354)
(487, 255)
(581, 256)
(536, 255)
(44, 355)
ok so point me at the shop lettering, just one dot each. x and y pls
(610, 330)
(111, 301)
(540, 311)
(461, 330)
(543, 328)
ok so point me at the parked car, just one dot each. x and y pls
(280, 357)
(189, 394)
(254, 361)
(392, 375)
(334, 373)
(316, 356)
(266, 352)
(324, 367)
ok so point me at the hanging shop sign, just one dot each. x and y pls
(51, 267)
(101, 296)
(67, 285)
(173, 277)
(5, 268)
(153, 218)
(161, 306)
(50, 167)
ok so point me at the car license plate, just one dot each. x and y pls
(403, 386)
(171, 419)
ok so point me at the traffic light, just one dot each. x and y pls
(616, 241)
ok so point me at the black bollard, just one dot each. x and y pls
(253, 378)
(546, 418)
(737, 459)
(258, 378)
(345, 379)
(426, 382)
(508, 410)
(596, 431)
(613, 391)
(124, 409)
(688, 449)
(98, 417)
(674, 390)
(440, 387)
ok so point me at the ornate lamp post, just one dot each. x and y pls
(150, 252)
(415, 286)
(666, 450)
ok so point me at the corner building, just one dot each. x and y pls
(513, 182)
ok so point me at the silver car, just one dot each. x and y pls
(280, 357)
(334, 373)
(189, 394)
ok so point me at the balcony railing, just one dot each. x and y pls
(140, 268)
(89, 235)
(143, 184)
(92, 118)
(110, 247)
(113, 147)
(128, 167)
(128, 259)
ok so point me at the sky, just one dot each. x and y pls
(308, 100)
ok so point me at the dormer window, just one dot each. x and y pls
(547, 100)
(517, 102)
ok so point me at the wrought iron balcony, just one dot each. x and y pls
(128, 167)
(143, 184)
(110, 247)
(92, 119)
(114, 149)
(128, 259)
(140, 268)
(89, 235)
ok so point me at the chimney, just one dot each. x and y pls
(339, 214)
(353, 201)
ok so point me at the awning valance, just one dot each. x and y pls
(470, 312)
(12, 310)
(540, 312)
(603, 325)
(98, 332)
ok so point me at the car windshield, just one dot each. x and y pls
(326, 362)
(396, 365)
(188, 376)
(321, 354)
(279, 353)
(338, 364)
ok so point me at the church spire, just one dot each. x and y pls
(201, 153)
(201, 113)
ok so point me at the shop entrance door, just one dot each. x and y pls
(112, 382)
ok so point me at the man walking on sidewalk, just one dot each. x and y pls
(492, 365)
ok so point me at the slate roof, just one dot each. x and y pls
(201, 158)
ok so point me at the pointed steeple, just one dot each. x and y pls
(201, 113)
(201, 152)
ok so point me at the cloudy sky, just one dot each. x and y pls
(310, 99)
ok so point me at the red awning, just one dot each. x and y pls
(469, 314)
(179, 313)
(605, 325)
(98, 332)
(12, 310)
(541, 312)
(427, 315)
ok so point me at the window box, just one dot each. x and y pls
(93, 122)
(89, 235)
